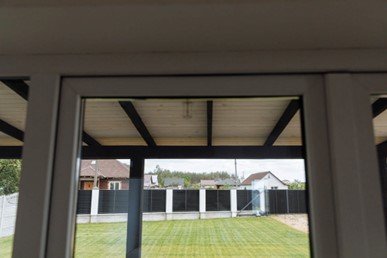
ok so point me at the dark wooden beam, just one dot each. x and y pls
(284, 120)
(379, 106)
(18, 86)
(86, 138)
(193, 152)
(210, 106)
(11, 152)
(132, 113)
(178, 152)
(11, 130)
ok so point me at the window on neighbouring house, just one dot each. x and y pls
(274, 187)
(114, 185)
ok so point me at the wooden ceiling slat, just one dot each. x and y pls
(210, 105)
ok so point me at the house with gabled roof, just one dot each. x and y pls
(217, 183)
(263, 180)
(111, 175)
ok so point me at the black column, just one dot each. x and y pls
(134, 225)
(382, 156)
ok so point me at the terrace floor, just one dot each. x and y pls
(235, 237)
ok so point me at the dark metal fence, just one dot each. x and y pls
(84, 202)
(243, 199)
(218, 200)
(286, 201)
(116, 201)
(154, 200)
(113, 201)
(185, 200)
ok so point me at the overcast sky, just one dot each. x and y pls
(285, 169)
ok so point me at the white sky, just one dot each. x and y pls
(284, 169)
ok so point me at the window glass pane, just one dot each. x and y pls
(13, 110)
(102, 208)
(209, 206)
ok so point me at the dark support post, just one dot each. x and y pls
(382, 157)
(134, 225)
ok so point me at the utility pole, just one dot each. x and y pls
(95, 163)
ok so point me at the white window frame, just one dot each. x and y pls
(354, 163)
(115, 182)
(310, 87)
(345, 223)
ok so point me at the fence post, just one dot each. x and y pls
(94, 202)
(262, 201)
(287, 201)
(233, 200)
(202, 202)
(169, 203)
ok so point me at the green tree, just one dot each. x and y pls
(297, 185)
(191, 179)
(9, 176)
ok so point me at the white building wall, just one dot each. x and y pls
(8, 208)
(270, 181)
(266, 182)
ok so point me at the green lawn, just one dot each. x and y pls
(236, 237)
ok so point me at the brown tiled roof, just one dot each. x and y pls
(204, 182)
(106, 169)
(255, 176)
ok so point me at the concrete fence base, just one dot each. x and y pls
(157, 216)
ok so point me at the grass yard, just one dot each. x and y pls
(236, 237)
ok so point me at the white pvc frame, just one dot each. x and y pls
(310, 87)
(358, 202)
